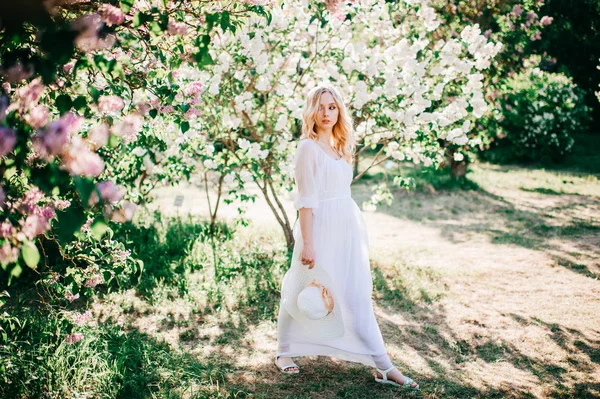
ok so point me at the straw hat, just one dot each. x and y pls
(309, 297)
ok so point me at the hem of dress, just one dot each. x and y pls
(318, 350)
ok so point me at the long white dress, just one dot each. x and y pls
(342, 250)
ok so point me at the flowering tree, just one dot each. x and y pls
(407, 90)
(81, 84)
(516, 24)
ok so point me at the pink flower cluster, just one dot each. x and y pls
(95, 280)
(109, 192)
(8, 253)
(128, 128)
(37, 116)
(82, 318)
(121, 256)
(124, 213)
(28, 95)
(194, 89)
(111, 15)
(50, 141)
(110, 104)
(59, 138)
(8, 138)
(70, 297)
(546, 20)
(517, 10)
(73, 338)
(177, 28)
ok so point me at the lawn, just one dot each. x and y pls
(486, 291)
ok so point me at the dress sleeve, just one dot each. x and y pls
(307, 195)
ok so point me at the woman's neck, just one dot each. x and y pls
(325, 136)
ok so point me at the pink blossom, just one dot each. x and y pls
(537, 36)
(81, 318)
(194, 89)
(111, 15)
(98, 136)
(110, 104)
(70, 297)
(17, 72)
(8, 254)
(69, 67)
(80, 161)
(121, 256)
(61, 205)
(125, 213)
(8, 138)
(6, 230)
(517, 10)
(73, 338)
(193, 113)
(2, 196)
(47, 212)
(128, 128)
(95, 280)
(28, 204)
(546, 20)
(86, 228)
(177, 28)
(109, 192)
(50, 141)
(531, 16)
(487, 33)
(34, 225)
(30, 94)
(38, 116)
(167, 109)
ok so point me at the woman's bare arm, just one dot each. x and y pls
(308, 253)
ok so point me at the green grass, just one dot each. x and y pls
(201, 323)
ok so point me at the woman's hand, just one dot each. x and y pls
(308, 256)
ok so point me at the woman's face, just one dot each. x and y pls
(328, 112)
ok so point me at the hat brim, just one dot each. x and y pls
(295, 280)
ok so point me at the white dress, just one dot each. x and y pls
(341, 248)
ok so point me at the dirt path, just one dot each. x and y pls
(498, 288)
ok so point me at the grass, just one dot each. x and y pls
(484, 290)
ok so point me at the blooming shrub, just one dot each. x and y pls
(537, 115)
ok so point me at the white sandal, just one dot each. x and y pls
(407, 383)
(283, 368)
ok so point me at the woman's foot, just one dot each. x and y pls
(396, 376)
(282, 361)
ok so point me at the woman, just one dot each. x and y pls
(332, 233)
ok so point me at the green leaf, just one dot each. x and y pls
(99, 228)
(126, 5)
(185, 126)
(84, 188)
(30, 254)
(225, 21)
(79, 103)
(153, 113)
(69, 221)
(63, 103)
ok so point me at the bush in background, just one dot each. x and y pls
(536, 115)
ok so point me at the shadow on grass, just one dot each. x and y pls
(163, 244)
(108, 362)
(460, 213)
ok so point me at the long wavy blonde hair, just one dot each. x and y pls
(343, 137)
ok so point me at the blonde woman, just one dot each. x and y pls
(331, 233)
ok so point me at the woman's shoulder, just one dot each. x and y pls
(306, 144)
